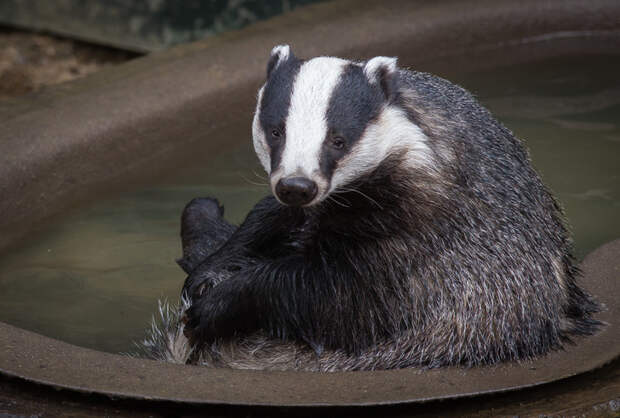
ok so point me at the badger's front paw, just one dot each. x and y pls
(207, 318)
(203, 230)
(198, 328)
(219, 311)
(203, 280)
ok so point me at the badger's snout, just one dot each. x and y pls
(296, 191)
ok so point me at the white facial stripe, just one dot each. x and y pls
(306, 124)
(258, 136)
(392, 131)
(306, 127)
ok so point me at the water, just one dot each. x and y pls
(94, 278)
(567, 111)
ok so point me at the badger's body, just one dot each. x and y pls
(407, 228)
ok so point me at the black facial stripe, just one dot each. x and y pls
(353, 104)
(275, 104)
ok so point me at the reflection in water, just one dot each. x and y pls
(94, 279)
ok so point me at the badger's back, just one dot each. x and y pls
(498, 256)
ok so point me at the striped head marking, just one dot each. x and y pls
(322, 123)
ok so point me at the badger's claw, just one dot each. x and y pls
(189, 330)
(202, 281)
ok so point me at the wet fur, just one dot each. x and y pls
(465, 264)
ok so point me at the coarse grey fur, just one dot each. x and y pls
(472, 263)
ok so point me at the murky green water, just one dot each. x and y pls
(95, 278)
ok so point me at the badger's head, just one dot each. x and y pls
(322, 123)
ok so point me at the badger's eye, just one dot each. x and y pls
(275, 134)
(338, 142)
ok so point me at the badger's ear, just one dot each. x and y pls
(279, 54)
(382, 71)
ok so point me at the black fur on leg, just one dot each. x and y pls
(203, 231)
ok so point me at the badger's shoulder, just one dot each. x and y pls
(453, 119)
(443, 108)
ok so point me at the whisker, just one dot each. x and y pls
(251, 181)
(333, 199)
(259, 176)
(362, 194)
(347, 201)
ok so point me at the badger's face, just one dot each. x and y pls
(322, 123)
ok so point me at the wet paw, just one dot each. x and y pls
(201, 209)
(203, 230)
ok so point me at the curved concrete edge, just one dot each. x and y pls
(127, 124)
(39, 359)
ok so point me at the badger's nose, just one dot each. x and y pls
(296, 191)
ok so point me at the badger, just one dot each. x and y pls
(407, 228)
